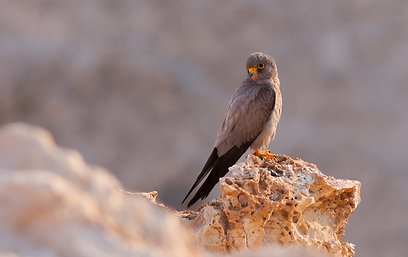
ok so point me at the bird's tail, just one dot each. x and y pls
(207, 167)
(219, 169)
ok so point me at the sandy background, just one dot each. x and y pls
(141, 87)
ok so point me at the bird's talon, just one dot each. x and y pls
(265, 153)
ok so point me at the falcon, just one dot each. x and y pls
(250, 122)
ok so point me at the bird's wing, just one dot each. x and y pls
(247, 114)
(246, 117)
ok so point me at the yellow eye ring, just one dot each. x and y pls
(261, 66)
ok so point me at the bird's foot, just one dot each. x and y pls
(265, 153)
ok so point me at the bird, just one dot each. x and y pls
(250, 121)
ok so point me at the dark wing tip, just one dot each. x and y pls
(201, 194)
(207, 167)
(189, 192)
(219, 169)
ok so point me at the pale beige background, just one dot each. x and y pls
(141, 87)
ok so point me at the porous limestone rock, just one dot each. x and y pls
(283, 202)
(54, 204)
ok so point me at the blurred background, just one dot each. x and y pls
(141, 88)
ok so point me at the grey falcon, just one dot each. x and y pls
(250, 122)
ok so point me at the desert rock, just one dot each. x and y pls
(282, 202)
(55, 204)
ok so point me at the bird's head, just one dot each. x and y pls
(261, 66)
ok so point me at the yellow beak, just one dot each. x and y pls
(252, 71)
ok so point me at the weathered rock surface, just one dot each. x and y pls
(284, 202)
(54, 204)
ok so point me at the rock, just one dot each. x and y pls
(282, 202)
(52, 203)
(151, 196)
(276, 251)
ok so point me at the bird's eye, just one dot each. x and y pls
(261, 66)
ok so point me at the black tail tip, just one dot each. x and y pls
(191, 203)
(194, 200)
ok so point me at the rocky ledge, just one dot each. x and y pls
(284, 202)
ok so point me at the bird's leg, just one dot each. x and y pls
(265, 153)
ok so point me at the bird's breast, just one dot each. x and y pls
(269, 131)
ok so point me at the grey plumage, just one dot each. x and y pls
(250, 121)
